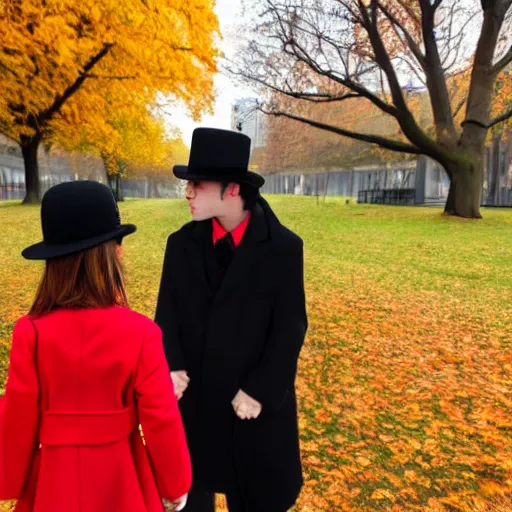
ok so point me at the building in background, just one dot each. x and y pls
(246, 118)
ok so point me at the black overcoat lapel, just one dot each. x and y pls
(247, 254)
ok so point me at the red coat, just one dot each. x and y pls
(69, 439)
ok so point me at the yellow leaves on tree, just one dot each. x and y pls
(128, 135)
(503, 97)
(83, 56)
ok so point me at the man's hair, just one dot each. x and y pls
(248, 193)
(89, 279)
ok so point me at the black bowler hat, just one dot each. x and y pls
(75, 216)
(219, 155)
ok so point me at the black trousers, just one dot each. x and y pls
(204, 501)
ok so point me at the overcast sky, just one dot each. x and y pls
(228, 11)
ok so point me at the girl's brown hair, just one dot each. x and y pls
(89, 279)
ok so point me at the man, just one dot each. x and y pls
(232, 310)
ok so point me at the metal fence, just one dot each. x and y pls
(155, 187)
(421, 182)
(12, 191)
(416, 182)
(16, 190)
(388, 196)
(404, 184)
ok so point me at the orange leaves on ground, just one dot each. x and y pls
(406, 404)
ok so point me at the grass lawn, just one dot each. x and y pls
(405, 381)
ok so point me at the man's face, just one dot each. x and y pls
(204, 199)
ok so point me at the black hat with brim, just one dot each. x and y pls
(45, 251)
(77, 216)
(219, 155)
(183, 172)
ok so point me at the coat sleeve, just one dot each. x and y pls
(270, 382)
(161, 420)
(19, 413)
(166, 310)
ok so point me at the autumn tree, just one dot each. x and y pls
(121, 129)
(294, 146)
(64, 61)
(330, 51)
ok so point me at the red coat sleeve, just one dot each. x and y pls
(19, 413)
(161, 420)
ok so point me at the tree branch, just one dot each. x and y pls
(482, 80)
(322, 98)
(503, 62)
(405, 118)
(381, 56)
(436, 80)
(500, 119)
(410, 41)
(392, 145)
(458, 108)
(298, 52)
(313, 97)
(48, 114)
(110, 77)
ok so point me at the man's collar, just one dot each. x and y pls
(218, 230)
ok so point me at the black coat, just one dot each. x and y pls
(242, 332)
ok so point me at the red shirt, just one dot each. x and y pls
(237, 233)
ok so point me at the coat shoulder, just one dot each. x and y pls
(143, 324)
(183, 232)
(23, 326)
(289, 239)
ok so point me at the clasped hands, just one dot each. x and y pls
(245, 407)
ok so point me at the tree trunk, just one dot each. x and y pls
(465, 194)
(29, 146)
(119, 190)
(494, 177)
(114, 182)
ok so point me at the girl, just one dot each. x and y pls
(85, 371)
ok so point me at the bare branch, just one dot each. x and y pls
(392, 145)
(322, 98)
(382, 57)
(293, 48)
(436, 80)
(410, 41)
(312, 97)
(503, 62)
(409, 64)
(500, 119)
(458, 108)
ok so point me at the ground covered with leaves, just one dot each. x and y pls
(405, 380)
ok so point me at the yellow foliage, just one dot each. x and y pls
(75, 63)
(125, 133)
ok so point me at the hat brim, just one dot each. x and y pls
(46, 251)
(251, 178)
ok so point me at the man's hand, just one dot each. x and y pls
(246, 408)
(180, 381)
